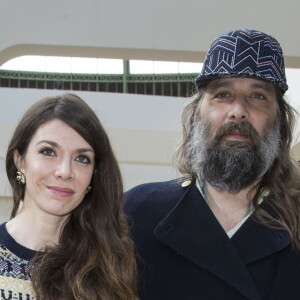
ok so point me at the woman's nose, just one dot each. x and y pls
(64, 169)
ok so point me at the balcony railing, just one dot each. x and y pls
(177, 85)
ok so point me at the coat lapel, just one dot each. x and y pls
(267, 241)
(192, 231)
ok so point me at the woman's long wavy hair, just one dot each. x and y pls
(95, 257)
(283, 178)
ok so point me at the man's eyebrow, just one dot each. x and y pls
(262, 85)
(219, 83)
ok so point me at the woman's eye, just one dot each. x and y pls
(83, 159)
(47, 152)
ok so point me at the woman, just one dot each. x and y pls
(67, 238)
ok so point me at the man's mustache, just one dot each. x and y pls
(244, 128)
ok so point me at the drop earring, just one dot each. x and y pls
(88, 189)
(21, 177)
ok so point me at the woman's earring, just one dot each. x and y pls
(21, 178)
(88, 189)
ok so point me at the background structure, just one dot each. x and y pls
(144, 130)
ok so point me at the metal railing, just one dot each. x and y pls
(177, 85)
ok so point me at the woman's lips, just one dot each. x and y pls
(61, 191)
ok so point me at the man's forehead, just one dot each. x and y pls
(237, 81)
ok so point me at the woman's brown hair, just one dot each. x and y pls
(282, 179)
(95, 257)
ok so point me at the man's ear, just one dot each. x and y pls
(18, 159)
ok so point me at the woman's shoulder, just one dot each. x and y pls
(10, 247)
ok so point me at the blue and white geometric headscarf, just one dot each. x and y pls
(244, 53)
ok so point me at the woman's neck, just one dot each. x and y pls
(35, 232)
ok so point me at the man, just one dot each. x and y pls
(230, 228)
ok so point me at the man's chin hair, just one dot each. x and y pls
(221, 187)
(233, 165)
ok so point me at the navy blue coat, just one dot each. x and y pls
(184, 253)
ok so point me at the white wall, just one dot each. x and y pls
(144, 130)
(169, 30)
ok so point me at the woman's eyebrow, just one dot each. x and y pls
(56, 145)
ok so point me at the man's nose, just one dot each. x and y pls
(238, 109)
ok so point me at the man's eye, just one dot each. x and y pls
(83, 159)
(258, 96)
(223, 95)
(47, 152)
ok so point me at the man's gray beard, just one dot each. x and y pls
(233, 165)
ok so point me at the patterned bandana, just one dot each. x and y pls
(244, 53)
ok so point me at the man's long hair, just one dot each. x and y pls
(282, 178)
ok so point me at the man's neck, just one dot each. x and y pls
(229, 208)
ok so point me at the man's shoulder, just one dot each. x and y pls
(154, 195)
(154, 187)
